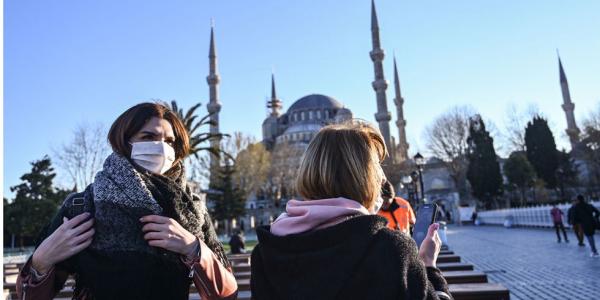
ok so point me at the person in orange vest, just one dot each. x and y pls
(396, 210)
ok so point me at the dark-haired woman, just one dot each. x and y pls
(137, 232)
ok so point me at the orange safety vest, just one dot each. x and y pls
(399, 216)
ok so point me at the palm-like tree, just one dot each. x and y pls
(197, 140)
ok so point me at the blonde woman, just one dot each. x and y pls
(331, 245)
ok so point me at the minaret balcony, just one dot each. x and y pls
(380, 84)
(377, 54)
(213, 79)
(383, 116)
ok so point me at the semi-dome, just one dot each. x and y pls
(315, 101)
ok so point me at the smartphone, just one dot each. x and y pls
(426, 215)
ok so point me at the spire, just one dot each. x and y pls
(383, 116)
(214, 105)
(402, 148)
(568, 106)
(563, 77)
(374, 22)
(273, 92)
(274, 104)
(396, 80)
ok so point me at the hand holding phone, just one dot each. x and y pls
(426, 215)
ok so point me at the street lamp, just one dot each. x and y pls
(420, 162)
(406, 181)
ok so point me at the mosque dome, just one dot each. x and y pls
(315, 101)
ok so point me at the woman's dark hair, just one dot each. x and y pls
(132, 120)
(580, 198)
(387, 190)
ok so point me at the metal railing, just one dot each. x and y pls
(534, 216)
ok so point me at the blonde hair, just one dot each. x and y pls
(343, 161)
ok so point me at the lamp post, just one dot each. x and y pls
(420, 162)
(406, 181)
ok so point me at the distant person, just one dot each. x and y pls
(396, 210)
(237, 243)
(587, 215)
(474, 217)
(331, 244)
(577, 229)
(558, 222)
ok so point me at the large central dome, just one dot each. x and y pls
(315, 101)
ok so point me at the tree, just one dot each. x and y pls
(566, 173)
(519, 172)
(541, 150)
(514, 126)
(285, 162)
(229, 202)
(484, 171)
(36, 201)
(252, 165)
(591, 146)
(446, 139)
(198, 140)
(83, 156)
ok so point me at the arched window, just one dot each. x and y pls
(310, 114)
(326, 114)
(302, 116)
(318, 114)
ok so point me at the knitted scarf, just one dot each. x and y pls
(119, 264)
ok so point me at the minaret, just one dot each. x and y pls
(568, 107)
(214, 106)
(402, 148)
(382, 116)
(274, 104)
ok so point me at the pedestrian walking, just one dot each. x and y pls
(577, 230)
(558, 222)
(587, 215)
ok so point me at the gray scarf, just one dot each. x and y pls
(122, 196)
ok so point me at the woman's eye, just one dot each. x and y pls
(170, 142)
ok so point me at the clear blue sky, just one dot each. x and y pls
(70, 61)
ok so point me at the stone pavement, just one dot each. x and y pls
(529, 261)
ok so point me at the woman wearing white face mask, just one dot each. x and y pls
(331, 245)
(137, 232)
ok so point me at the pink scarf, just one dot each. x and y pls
(302, 216)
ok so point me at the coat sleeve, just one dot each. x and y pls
(42, 288)
(212, 279)
(423, 283)
(212, 272)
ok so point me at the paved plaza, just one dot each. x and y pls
(529, 261)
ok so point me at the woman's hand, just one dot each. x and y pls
(166, 233)
(431, 246)
(70, 238)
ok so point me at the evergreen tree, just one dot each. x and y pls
(541, 150)
(229, 199)
(36, 201)
(519, 172)
(566, 173)
(483, 172)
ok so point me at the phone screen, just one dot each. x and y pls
(425, 217)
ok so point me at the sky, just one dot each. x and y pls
(72, 62)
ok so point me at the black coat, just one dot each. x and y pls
(356, 259)
(586, 215)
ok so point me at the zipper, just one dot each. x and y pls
(24, 291)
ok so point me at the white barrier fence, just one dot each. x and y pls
(537, 216)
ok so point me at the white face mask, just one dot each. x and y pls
(156, 157)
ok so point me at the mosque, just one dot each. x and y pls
(307, 115)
